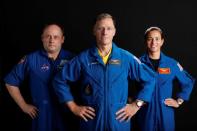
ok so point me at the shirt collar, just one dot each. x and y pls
(146, 58)
(60, 55)
(115, 53)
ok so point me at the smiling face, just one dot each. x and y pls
(104, 30)
(52, 38)
(154, 41)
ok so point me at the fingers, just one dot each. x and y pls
(84, 118)
(169, 99)
(123, 118)
(33, 112)
(126, 113)
(129, 118)
(87, 112)
(91, 109)
(171, 102)
(88, 116)
(123, 115)
(120, 111)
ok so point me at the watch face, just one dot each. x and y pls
(139, 103)
(179, 101)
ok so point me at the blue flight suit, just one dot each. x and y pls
(157, 116)
(39, 69)
(104, 87)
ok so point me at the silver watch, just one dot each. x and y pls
(180, 101)
(139, 103)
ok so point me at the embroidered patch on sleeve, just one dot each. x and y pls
(22, 60)
(180, 67)
(164, 70)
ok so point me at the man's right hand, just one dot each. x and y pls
(31, 110)
(84, 112)
(14, 91)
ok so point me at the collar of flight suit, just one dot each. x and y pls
(113, 71)
(60, 55)
(115, 53)
(146, 59)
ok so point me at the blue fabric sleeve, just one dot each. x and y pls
(145, 76)
(70, 72)
(186, 82)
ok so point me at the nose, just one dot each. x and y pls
(51, 38)
(104, 31)
(154, 41)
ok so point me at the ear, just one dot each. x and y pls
(162, 41)
(63, 38)
(114, 32)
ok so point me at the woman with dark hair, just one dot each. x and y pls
(158, 115)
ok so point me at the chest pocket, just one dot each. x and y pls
(116, 70)
(41, 72)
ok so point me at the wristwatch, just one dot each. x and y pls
(139, 103)
(180, 101)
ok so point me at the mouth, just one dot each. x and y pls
(105, 38)
(50, 45)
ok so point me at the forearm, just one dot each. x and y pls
(16, 95)
(71, 105)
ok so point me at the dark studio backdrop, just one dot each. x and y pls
(22, 22)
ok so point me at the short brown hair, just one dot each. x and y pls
(103, 16)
